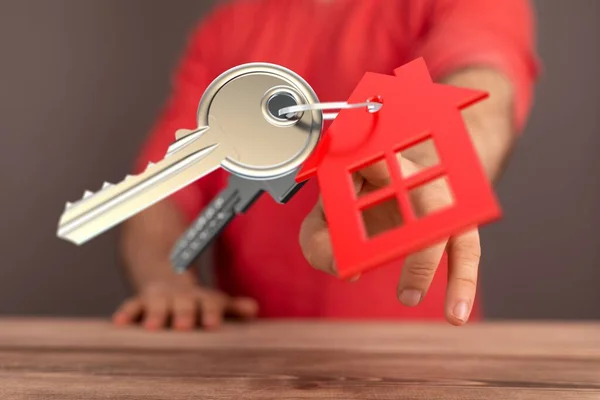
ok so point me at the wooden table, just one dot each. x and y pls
(89, 359)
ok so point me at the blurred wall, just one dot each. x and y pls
(543, 260)
(81, 83)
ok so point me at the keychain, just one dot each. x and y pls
(384, 115)
(414, 109)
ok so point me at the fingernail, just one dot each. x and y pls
(410, 297)
(354, 278)
(460, 311)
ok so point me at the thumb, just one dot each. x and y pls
(315, 241)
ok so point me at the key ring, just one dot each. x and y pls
(372, 107)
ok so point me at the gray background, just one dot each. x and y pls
(82, 81)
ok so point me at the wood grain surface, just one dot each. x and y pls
(90, 359)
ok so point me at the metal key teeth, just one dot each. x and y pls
(87, 194)
(106, 185)
(210, 212)
(200, 223)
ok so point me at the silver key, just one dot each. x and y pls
(239, 130)
(235, 199)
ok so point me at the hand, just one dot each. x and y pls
(419, 268)
(183, 306)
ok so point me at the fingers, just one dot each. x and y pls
(156, 311)
(128, 312)
(214, 306)
(464, 254)
(419, 268)
(184, 312)
(417, 274)
(183, 309)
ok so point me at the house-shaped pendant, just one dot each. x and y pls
(415, 109)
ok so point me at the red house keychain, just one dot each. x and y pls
(414, 109)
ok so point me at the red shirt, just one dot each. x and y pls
(331, 44)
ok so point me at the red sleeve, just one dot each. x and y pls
(196, 70)
(496, 33)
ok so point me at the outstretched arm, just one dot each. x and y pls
(490, 46)
(490, 122)
(485, 45)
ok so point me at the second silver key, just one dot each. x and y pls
(239, 195)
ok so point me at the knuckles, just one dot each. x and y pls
(470, 283)
(420, 268)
